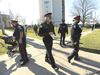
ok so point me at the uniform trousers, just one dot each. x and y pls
(74, 53)
(62, 38)
(48, 41)
(22, 49)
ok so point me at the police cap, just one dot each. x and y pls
(77, 17)
(14, 21)
(63, 20)
(48, 14)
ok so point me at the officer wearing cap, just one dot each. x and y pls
(75, 37)
(46, 29)
(63, 29)
(20, 38)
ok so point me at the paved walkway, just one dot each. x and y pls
(37, 66)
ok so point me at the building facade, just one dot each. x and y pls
(56, 7)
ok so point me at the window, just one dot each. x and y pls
(46, 11)
(46, 2)
(46, 7)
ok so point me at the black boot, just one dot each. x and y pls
(71, 55)
(24, 62)
(77, 59)
(61, 44)
(48, 61)
(68, 59)
(55, 68)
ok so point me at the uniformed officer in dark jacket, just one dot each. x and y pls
(92, 27)
(63, 29)
(46, 29)
(35, 29)
(20, 37)
(75, 37)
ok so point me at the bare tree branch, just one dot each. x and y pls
(84, 8)
(23, 20)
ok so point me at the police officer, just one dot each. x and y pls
(63, 29)
(35, 29)
(75, 37)
(92, 27)
(46, 29)
(20, 37)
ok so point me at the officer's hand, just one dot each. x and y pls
(20, 41)
(50, 33)
(55, 34)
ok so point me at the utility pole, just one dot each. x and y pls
(63, 9)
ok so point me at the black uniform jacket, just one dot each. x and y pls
(63, 28)
(45, 28)
(17, 29)
(35, 28)
(75, 32)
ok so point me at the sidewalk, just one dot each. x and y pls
(37, 66)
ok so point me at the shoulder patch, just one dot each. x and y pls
(20, 28)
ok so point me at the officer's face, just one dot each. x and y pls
(13, 24)
(77, 21)
(48, 19)
(63, 21)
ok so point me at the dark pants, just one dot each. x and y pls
(48, 44)
(35, 32)
(62, 38)
(74, 53)
(22, 49)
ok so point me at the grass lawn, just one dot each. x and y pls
(91, 42)
(3, 50)
(31, 33)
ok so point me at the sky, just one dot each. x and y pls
(30, 9)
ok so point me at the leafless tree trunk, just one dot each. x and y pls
(84, 8)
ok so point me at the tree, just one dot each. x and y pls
(2, 25)
(84, 8)
(23, 20)
(15, 16)
(5, 19)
